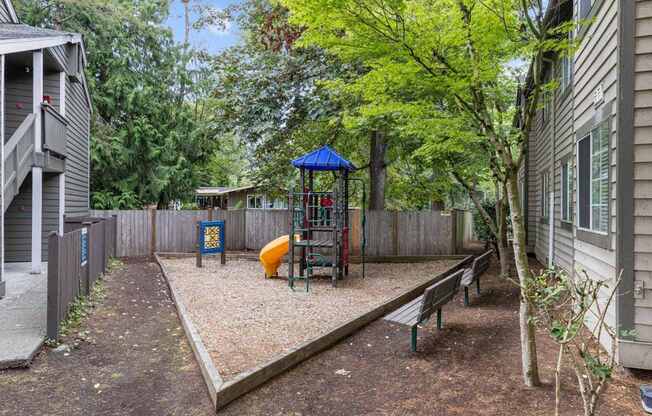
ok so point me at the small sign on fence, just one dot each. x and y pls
(83, 253)
(210, 239)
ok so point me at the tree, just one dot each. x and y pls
(466, 47)
(146, 147)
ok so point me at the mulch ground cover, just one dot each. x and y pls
(132, 359)
(246, 320)
(471, 367)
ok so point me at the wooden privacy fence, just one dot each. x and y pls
(76, 260)
(144, 232)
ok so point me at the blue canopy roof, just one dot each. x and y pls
(323, 158)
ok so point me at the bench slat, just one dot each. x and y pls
(433, 298)
(406, 313)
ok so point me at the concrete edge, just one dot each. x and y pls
(23, 362)
(209, 372)
(249, 380)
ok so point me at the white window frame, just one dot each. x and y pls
(277, 203)
(588, 12)
(545, 194)
(566, 203)
(254, 196)
(565, 73)
(589, 137)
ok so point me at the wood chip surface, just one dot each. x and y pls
(246, 320)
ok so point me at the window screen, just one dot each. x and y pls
(585, 8)
(583, 181)
(545, 195)
(593, 179)
(566, 190)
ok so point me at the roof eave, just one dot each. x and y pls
(8, 46)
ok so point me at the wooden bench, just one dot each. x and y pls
(472, 274)
(421, 309)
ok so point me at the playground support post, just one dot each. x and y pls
(198, 232)
(223, 253)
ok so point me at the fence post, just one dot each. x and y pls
(395, 235)
(454, 231)
(115, 235)
(152, 216)
(54, 288)
(210, 213)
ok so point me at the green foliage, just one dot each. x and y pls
(569, 310)
(149, 144)
(480, 227)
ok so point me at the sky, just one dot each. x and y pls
(212, 39)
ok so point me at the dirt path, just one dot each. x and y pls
(472, 367)
(134, 360)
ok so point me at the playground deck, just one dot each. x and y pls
(245, 320)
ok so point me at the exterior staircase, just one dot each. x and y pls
(20, 155)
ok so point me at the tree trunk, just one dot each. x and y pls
(377, 171)
(501, 239)
(528, 333)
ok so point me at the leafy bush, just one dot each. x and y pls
(479, 226)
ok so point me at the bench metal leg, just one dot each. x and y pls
(439, 319)
(466, 296)
(413, 341)
(477, 286)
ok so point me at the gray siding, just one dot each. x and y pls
(18, 100)
(564, 148)
(18, 219)
(596, 63)
(643, 168)
(237, 200)
(77, 163)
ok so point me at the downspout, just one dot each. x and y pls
(551, 223)
(625, 174)
(3, 289)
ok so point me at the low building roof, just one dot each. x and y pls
(220, 190)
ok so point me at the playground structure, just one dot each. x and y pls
(320, 218)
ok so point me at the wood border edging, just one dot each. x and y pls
(354, 259)
(223, 393)
(209, 372)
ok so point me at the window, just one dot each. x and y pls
(254, 201)
(584, 8)
(566, 191)
(545, 195)
(593, 180)
(275, 203)
(263, 202)
(547, 106)
(565, 72)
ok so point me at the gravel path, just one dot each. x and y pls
(246, 320)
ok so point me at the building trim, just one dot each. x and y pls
(8, 46)
(2, 177)
(625, 166)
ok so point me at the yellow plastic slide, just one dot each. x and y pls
(272, 253)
